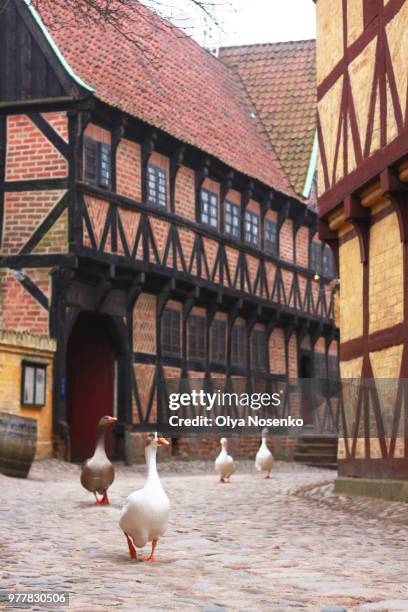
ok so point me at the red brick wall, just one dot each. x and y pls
(286, 241)
(144, 324)
(29, 154)
(128, 169)
(277, 351)
(185, 193)
(302, 247)
(23, 213)
(19, 311)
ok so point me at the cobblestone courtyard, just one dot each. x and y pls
(283, 544)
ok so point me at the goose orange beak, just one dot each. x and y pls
(163, 441)
(112, 419)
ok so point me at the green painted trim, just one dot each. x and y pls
(312, 169)
(54, 47)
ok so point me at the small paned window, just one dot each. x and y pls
(196, 337)
(271, 238)
(171, 333)
(209, 208)
(329, 268)
(258, 350)
(156, 186)
(251, 228)
(33, 384)
(218, 340)
(238, 345)
(316, 257)
(97, 163)
(232, 221)
(370, 9)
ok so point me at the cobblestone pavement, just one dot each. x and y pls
(287, 543)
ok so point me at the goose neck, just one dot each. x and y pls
(152, 474)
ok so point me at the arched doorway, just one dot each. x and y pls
(91, 375)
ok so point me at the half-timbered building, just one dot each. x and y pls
(362, 69)
(149, 229)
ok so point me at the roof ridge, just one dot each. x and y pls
(268, 44)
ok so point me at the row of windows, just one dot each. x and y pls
(196, 341)
(97, 171)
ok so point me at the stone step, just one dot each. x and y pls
(315, 458)
(303, 447)
(315, 439)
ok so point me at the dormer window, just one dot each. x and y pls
(156, 186)
(97, 163)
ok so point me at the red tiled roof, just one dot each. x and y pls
(170, 82)
(280, 79)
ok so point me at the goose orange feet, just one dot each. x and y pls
(105, 499)
(132, 549)
(150, 558)
(97, 502)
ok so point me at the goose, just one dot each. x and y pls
(97, 473)
(145, 514)
(224, 463)
(264, 457)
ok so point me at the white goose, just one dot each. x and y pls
(264, 457)
(224, 463)
(145, 515)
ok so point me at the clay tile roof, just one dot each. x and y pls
(280, 79)
(171, 83)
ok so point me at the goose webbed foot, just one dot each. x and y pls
(150, 558)
(97, 501)
(132, 549)
(105, 499)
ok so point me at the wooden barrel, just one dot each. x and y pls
(18, 442)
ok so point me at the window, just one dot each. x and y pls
(196, 338)
(370, 8)
(271, 238)
(97, 163)
(258, 350)
(238, 346)
(251, 228)
(322, 260)
(209, 208)
(156, 186)
(218, 337)
(329, 268)
(171, 333)
(33, 384)
(232, 221)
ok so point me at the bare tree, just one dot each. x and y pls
(120, 14)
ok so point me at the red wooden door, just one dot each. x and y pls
(90, 382)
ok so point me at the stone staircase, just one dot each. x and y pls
(317, 451)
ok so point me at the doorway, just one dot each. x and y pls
(306, 381)
(91, 379)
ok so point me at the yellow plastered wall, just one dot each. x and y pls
(12, 353)
(386, 274)
(351, 292)
(386, 366)
(329, 36)
(355, 20)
